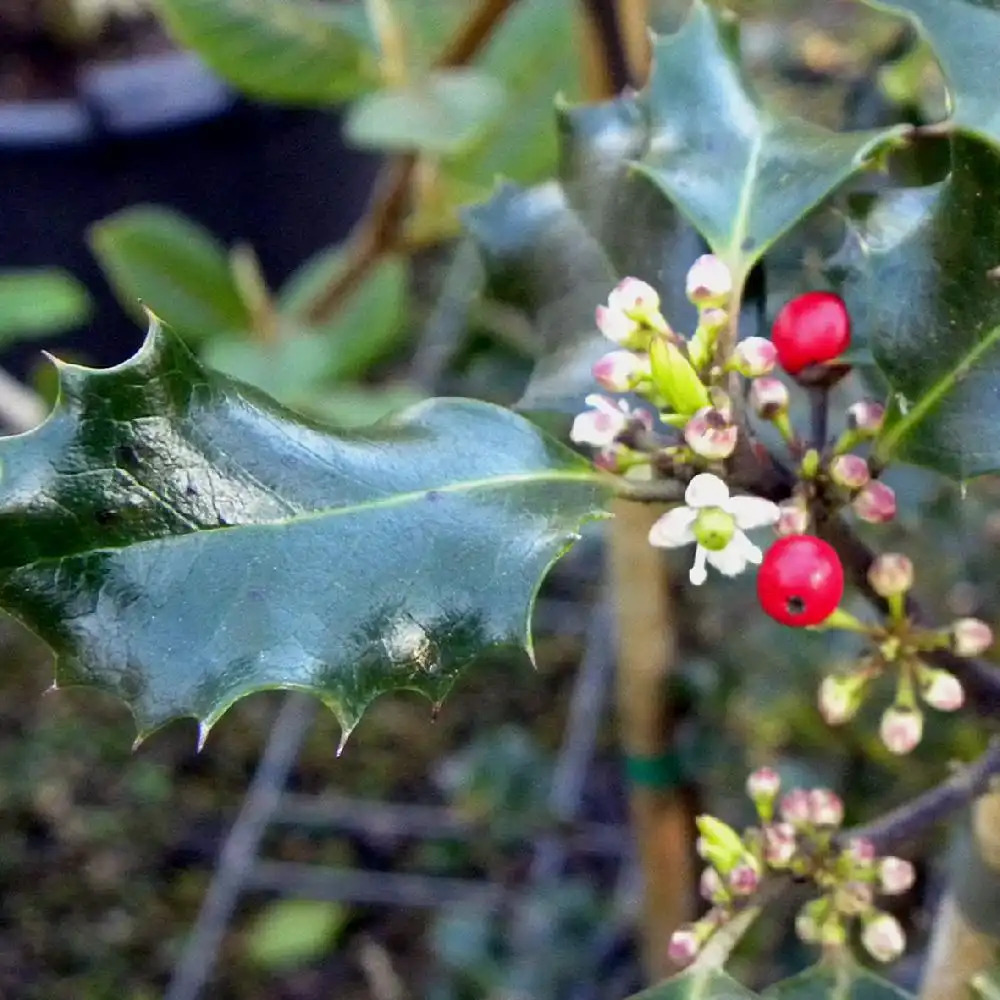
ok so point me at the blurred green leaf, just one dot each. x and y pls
(697, 984)
(741, 174)
(305, 52)
(965, 36)
(918, 276)
(843, 981)
(440, 113)
(40, 302)
(361, 406)
(294, 932)
(157, 257)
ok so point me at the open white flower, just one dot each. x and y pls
(715, 522)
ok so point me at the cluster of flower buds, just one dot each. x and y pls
(796, 837)
(902, 646)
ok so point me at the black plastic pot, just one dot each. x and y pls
(166, 130)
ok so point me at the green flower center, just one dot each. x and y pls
(714, 528)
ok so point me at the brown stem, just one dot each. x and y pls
(633, 18)
(380, 230)
(661, 819)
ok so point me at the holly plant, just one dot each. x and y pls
(181, 540)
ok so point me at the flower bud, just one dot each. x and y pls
(970, 637)
(793, 518)
(763, 786)
(941, 690)
(861, 852)
(891, 574)
(711, 887)
(895, 875)
(620, 371)
(795, 808)
(901, 728)
(719, 844)
(876, 503)
(810, 919)
(599, 426)
(780, 844)
(768, 397)
(701, 346)
(619, 328)
(709, 283)
(635, 298)
(883, 937)
(675, 379)
(840, 697)
(685, 943)
(865, 418)
(754, 357)
(710, 435)
(825, 807)
(849, 471)
(744, 879)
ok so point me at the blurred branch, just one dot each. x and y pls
(913, 818)
(21, 408)
(380, 230)
(633, 21)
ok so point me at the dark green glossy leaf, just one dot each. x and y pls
(697, 984)
(556, 250)
(441, 113)
(916, 275)
(155, 257)
(841, 981)
(39, 303)
(307, 52)
(181, 541)
(965, 36)
(741, 173)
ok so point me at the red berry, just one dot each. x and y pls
(810, 330)
(801, 580)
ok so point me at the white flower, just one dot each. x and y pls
(600, 425)
(716, 522)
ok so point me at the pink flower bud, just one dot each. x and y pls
(883, 937)
(865, 417)
(941, 690)
(619, 328)
(793, 518)
(795, 807)
(780, 844)
(825, 807)
(891, 574)
(840, 697)
(744, 880)
(599, 426)
(876, 503)
(768, 397)
(970, 637)
(901, 729)
(853, 898)
(635, 298)
(860, 851)
(895, 875)
(711, 886)
(850, 471)
(763, 784)
(710, 435)
(754, 357)
(620, 371)
(709, 282)
(685, 943)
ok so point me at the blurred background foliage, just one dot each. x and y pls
(105, 854)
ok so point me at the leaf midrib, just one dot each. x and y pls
(917, 411)
(395, 500)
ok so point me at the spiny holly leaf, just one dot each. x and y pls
(741, 173)
(965, 36)
(918, 276)
(181, 541)
(557, 249)
(697, 984)
(843, 980)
